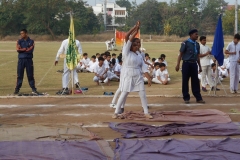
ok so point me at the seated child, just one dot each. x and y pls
(84, 62)
(162, 75)
(100, 71)
(92, 64)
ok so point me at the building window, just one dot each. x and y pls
(109, 9)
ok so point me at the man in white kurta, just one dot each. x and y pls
(66, 72)
(233, 50)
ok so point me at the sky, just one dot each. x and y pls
(92, 2)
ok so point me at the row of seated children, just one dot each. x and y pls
(104, 66)
(158, 69)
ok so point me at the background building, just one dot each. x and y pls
(116, 15)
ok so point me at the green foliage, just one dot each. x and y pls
(229, 21)
(46, 17)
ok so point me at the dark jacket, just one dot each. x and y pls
(26, 44)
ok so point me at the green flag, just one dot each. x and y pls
(72, 51)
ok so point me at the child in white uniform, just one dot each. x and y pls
(100, 71)
(84, 63)
(92, 64)
(233, 50)
(162, 75)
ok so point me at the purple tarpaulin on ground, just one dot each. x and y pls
(173, 149)
(139, 130)
(46, 150)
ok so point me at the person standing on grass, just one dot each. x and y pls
(205, 59)
(132, 80)
(66, 72)
(189, 53)
(25, 48)
(233, 50)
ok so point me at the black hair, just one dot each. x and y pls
(135, 39)
(237, 36)
(213, 65)
(97, 54)
(113, 54)
(107, 53)
(163, 56)
(103, 54)
(202, 38)
(146, 55)
(162, 65)
(120, 55)
(85, 54)
(154, 59)
(113, 61)
(24, 30)
(160, 58)
(100, 59)
(156, 64)
(94, 57)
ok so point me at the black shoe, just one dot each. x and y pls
(35, 92)
(121, 111)
(187, 101)
(16, 91)
(201, 101)
(213, 88)
(204, 89)
(77, 85)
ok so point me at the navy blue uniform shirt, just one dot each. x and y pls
(188, 50)
(26, 44)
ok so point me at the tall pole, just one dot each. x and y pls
(105, 14)
(236, 16)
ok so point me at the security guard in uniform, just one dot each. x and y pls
(25, 48)
(189, 53)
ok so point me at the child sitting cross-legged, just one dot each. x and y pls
(162, 75)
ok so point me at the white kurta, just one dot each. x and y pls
(66, 72)
(132, 79)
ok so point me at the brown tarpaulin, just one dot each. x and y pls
(45, 132)
(194, 116)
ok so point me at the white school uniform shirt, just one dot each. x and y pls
(99, 70)
(118, 68)
(85, 61)
(64, 47)
(165, 62)
(233, 48)
(106, 63)
(205, 61)
(154, 73)
(162, 74)
(92, 65)
(226, 63)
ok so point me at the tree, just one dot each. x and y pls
(149, 15)
(229, 21)
(125, 3)
(10, 18)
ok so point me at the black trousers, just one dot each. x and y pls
(28, 64)
(190, 70)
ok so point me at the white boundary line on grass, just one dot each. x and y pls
(103, 96)
(107, 105)
(45, 74)
(3, 64)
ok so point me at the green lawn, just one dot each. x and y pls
(44, 56)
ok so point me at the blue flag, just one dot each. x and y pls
(218, 43)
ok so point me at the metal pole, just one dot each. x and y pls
(236, 16)
(105, 14)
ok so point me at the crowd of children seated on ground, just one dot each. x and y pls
(107, 67)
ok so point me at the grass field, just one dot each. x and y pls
(48, 80)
